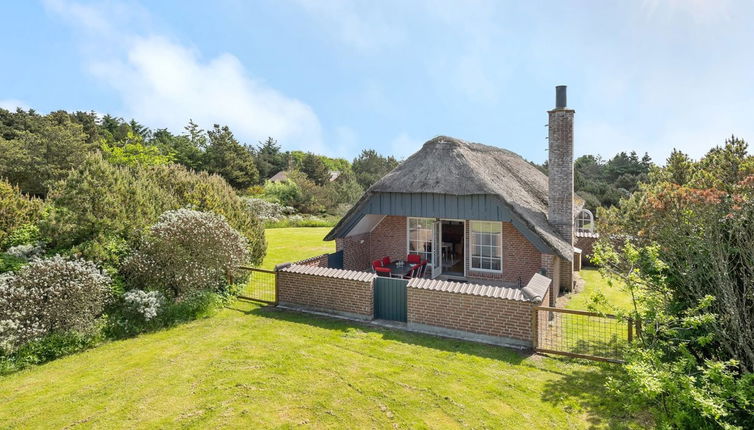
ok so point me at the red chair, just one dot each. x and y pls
(376, 264)
(383, 271)
(413, 272)
(414, 258)
(386, 261)
(423, 270)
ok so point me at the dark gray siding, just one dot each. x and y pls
(482, 207)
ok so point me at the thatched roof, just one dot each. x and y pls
(446, 165)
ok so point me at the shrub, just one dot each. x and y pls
(18, 212)
(47, 296)
(99, 203)
(186, 251)
(268, 211)
(146, 304)
(26, 252)
(9, 263)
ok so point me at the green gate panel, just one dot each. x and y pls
(390, 299)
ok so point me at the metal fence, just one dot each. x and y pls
(581, 334)
(260, 285)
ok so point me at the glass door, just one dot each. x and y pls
(436, 249)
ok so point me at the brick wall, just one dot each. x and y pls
(520, 258)
(586, 244)
(355, 253)
(476, 314)
(389, 238)
(342, 291)
(318, 261)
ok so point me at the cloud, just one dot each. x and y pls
(13, 104)
(163, 83)
(361, 25)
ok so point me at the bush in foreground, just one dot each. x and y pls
(47, 296)
(185, 252)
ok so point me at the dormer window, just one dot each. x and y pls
(585, 221)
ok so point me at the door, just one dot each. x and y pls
(390, 299)
(436, 249)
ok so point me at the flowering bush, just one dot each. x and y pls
(268, 211)
(187, 251)
(26, 252)
(47, 296)
(146, 304)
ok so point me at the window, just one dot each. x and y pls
(585, 221)
(486, 246)
(420, 237)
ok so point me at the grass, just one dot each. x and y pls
(255, 367)
(594, 284)
(249, 366)
(287, 245)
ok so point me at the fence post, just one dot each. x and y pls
(277, 286)
(630, 329)
(534, 327)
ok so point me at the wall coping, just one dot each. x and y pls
(493, 291)
(327, 272)
(310, 259)
(587, 234)
(537, 287)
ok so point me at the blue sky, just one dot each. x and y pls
(338, 76)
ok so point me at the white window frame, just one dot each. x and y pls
(425, 255)
(588, 216)
(471, 246)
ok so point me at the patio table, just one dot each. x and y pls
(401, 271)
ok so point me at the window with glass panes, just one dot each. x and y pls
(486, 245)
(420, 237)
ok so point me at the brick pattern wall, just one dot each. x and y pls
(520, 258)
(355, 254)
(560, 172)
(552, 271)
(318, 261)
(586, 244)
(326, 293)
(475, 314)
(389, 238)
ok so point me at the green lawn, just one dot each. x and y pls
(286, 245)
(594, 283)
(249, 366)
(254, 367)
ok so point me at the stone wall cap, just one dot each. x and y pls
(537, 287)
(351, 275)
(492, 291)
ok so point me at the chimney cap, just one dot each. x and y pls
(560, 97)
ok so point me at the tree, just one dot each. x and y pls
(679, 167)
(229, 159)
(132, 152)
(33, 159)
(182, 149)
(270, 159)
(315, 169)
(369, 167)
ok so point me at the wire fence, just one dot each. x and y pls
(582, 334)
(260, 285)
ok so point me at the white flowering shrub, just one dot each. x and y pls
(186, 251)
(26, 252)
(147, 304)
(49, 296)
(268, 211)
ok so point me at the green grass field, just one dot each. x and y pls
(249, 366)
(286, 245)
(594, 283)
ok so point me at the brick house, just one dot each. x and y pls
(477, 213)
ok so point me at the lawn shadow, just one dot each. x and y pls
(420, 339)
(587, 388)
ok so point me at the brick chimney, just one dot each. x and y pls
(560, 166)
(560, 183)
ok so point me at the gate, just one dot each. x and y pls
(390, 299)
(581, 334)
(260, 286)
